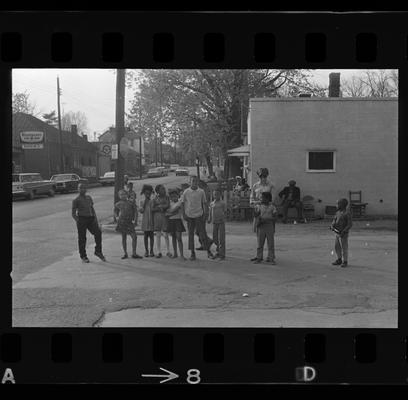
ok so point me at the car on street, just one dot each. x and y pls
(182, 171)
(29, 185)
(164, 170)
(173, 167)
(107, 179)
(155, 173)
(65, 183)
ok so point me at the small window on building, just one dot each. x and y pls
(321, 161)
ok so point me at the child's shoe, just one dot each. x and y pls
(151, 254)
(337, 262)
(159, 255)
(100, 255)
(270, 261)
(85, 260)
(344, 264)
(211, 255)
(136, 256)
(124, 257)
(169, 255)
(257, 261)
(192, 257)
(146, 254)
(254, 258)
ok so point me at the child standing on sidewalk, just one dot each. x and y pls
(131, 194)
(266, 214)
(147, 220)
(175, 226)
(126, 212)
(160, 204)
(217, 217)
(340, 226)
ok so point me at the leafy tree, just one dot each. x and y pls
(206, 111)
(50, 118)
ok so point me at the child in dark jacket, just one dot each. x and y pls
(147, 219)
(341, 225)
(265, 229)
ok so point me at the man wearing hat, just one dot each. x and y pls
(291, 198)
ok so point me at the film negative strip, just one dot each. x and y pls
(243, 86)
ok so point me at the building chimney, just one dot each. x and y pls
(74, 130)
(334, 84)
(85, 137)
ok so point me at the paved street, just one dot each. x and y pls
(43, 228)
(51, 287)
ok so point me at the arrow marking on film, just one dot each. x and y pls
(170, 375)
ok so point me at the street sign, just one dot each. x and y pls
(114, 152)
(32, 140)
(105, 149)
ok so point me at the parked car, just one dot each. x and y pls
(65, 183)
(182, 171)
(155, 173)
(29, 185)
(163, 170)
(108, 179)
(173, 167)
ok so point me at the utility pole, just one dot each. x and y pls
(155, 147)
(161, 131)
(59, 126)
(198, 166)
(120, 130)
(140, 157)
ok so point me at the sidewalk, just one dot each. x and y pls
(303, 289)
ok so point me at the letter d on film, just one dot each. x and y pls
(305, 374)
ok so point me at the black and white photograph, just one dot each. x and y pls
(205, 198)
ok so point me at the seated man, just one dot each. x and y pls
(238, 185)
(291, 198)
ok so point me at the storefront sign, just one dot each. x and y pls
(32, 140)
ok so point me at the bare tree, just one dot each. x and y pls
(353, 87)
(372, 83)
(77, 118)
(21, 103)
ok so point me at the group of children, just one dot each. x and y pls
(163, 214)
(266, 213)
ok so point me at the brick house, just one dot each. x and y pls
(132, 159)
(79, 155)
(329, 146)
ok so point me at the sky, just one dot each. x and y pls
(92, 91)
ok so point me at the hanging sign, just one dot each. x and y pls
(114, 152)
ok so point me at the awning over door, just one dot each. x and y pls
(242, 151)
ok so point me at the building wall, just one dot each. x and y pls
(79, 154)
(363, 132)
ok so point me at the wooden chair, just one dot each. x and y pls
(357, 207)
(308, 207)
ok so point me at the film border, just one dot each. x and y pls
(201, 40)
